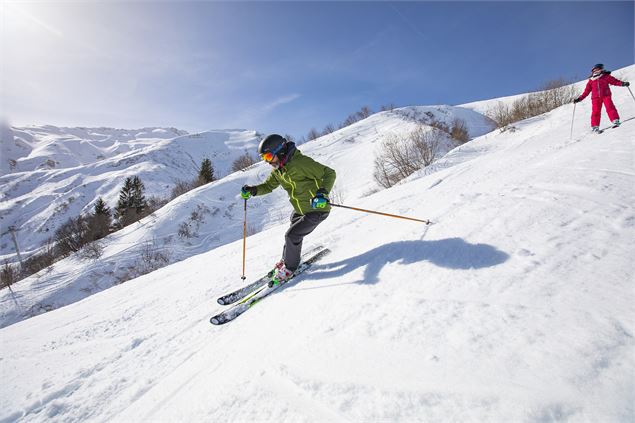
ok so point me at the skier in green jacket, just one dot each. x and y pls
(308, 184)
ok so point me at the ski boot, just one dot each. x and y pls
(279, 274)
(596, 130)
(616, 123)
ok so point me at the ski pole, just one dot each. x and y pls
(572, 120)
(427, 222)
(243, 277)
(629, 90)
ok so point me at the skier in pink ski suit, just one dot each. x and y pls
(598, 86)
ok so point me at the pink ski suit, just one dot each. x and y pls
(598, 86)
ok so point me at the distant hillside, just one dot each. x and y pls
(51, 174)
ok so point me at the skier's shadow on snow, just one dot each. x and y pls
(452, 253)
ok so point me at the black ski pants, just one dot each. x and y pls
(301, 226)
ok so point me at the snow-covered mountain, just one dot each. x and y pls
(516, 304)
(50, 174)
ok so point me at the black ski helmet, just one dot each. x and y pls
(599, 66)
(274, 144)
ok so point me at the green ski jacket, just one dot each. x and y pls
(301, 177)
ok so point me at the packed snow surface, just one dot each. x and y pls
(516, 304)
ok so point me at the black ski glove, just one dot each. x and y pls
(577, 100)
(625, 84)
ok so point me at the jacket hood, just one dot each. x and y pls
(604, 72)
(290, 149)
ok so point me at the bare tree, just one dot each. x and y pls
(45, 258)
(182, 187)
(400, 157)
(425, 146)
(8, 275)
(92, 251)
(328, 129)
(364, 112)
(72, 235)
(243, 162)
(313, 134)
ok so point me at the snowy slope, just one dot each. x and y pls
(484, 106)
(515, 305)
(62, 171)
(218, 213)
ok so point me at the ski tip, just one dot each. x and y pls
(220, 301)
(214, 321)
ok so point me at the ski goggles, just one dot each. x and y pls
(269, 155)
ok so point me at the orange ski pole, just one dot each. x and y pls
(427, 222)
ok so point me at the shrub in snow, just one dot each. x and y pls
(243, 162)
(181, 188)
(553, 94)
(152, 257)
(459, 132)
(92, 251)
(48, 255)
(72, 235)
(190, 228)
(8, 275)
(399, 157)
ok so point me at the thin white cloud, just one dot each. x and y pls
(20, 12)
(257, 116)
(280, 102)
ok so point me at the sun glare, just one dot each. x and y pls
(20, 17)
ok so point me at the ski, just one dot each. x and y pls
(262, 292)
(240, 293)
(609, 127)
(244, 291)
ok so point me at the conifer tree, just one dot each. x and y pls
(125, 198)
(206, 173)
(139, 202)
(100, 220)
(132, 201)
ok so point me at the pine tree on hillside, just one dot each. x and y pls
(138, 194)
(101, 208)
(125, 198)
(100, 220)
(206, 173)
(132, 201)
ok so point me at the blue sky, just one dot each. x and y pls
(288, 66)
